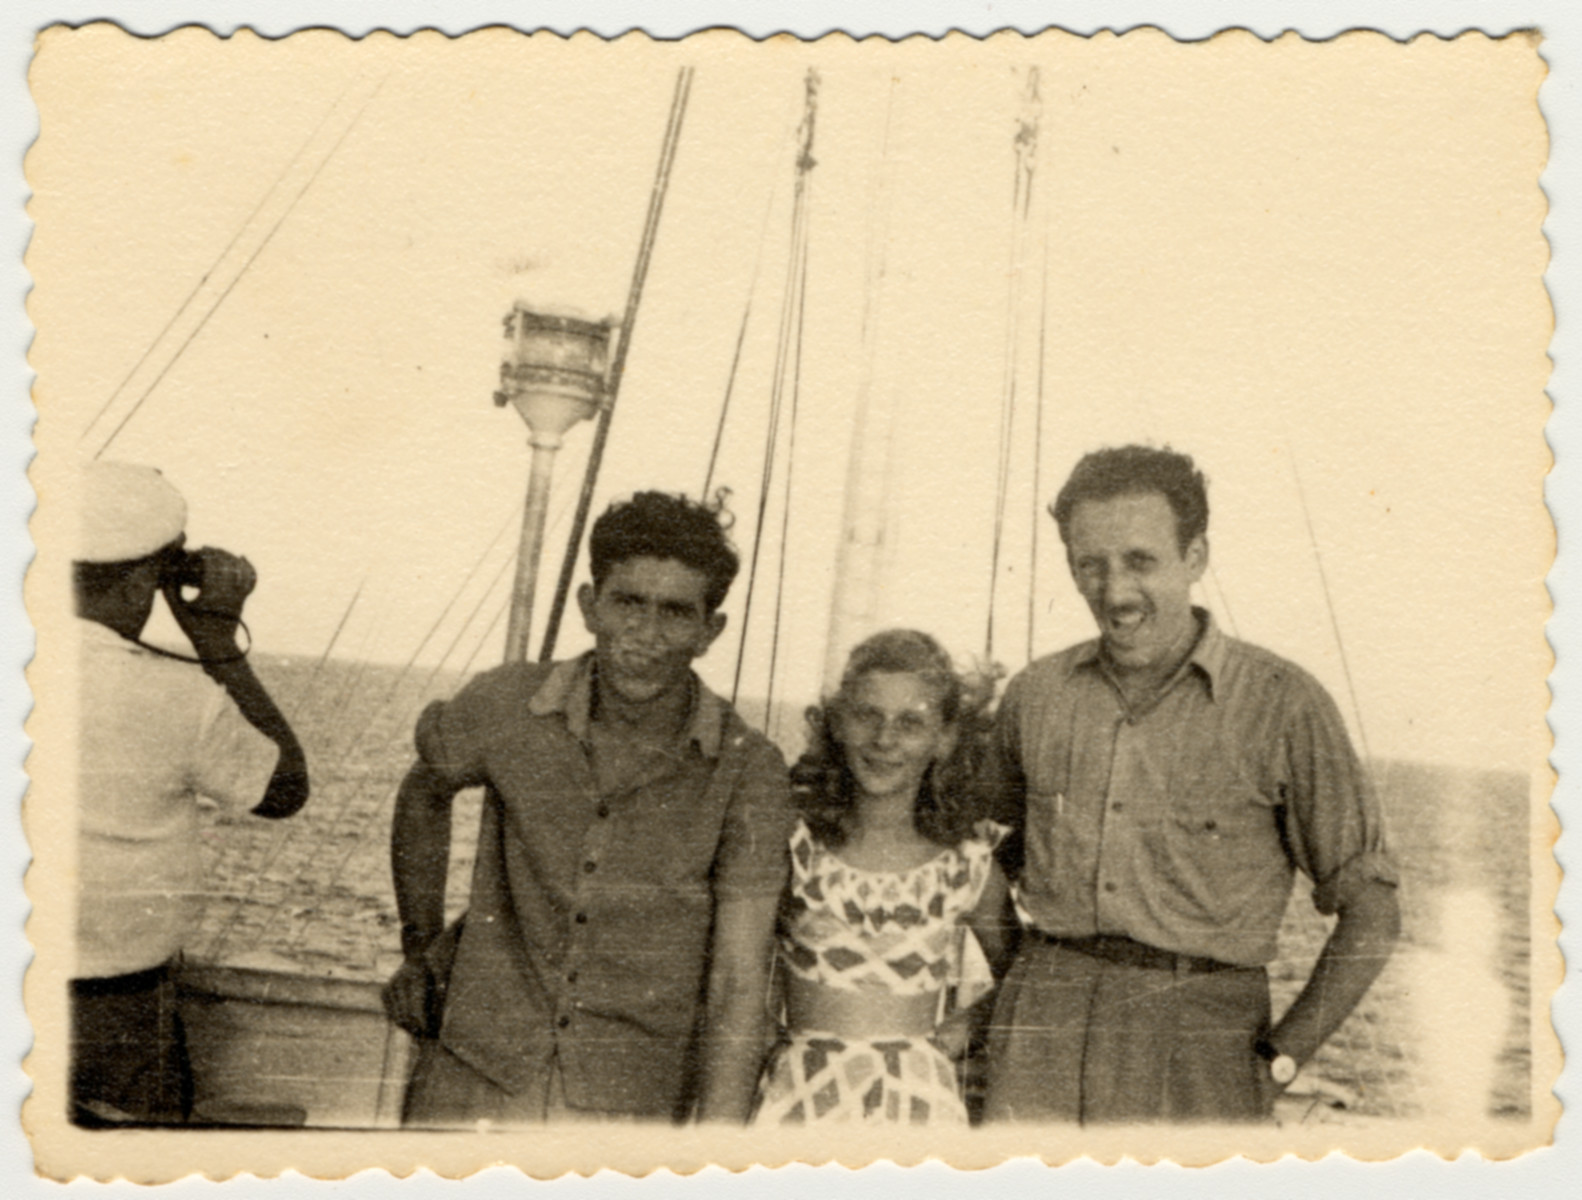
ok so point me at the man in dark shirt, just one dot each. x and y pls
(614, 958)
(1169, 781)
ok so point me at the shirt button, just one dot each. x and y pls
(1117, 806)
(1110, 886)
(604, 810)
(589, 867)
(582, 918)
(563, 1022)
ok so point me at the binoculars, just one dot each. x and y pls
(181, 568)
(217, 576)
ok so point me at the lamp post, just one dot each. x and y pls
(554, 375)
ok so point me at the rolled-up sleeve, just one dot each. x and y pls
(1335, 826)
(753, 857)
(452, 735)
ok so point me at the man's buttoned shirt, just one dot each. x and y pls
(586, 941)
(1180, 823)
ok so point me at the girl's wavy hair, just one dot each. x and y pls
(949, 800)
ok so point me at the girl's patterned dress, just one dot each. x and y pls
(893, 933)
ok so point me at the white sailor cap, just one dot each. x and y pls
(128, 512)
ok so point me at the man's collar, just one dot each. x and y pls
(568, 690)
(1208, 652)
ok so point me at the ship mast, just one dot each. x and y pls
(858, 569)
(865, 527)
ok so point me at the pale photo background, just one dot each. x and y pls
(1380, 319)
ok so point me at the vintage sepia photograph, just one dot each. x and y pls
(633, 603)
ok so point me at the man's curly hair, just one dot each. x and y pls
(660, 525)
(1137, 470)
(948, 802)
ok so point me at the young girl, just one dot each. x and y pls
(890, 879)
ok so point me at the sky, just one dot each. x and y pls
(1315, 267)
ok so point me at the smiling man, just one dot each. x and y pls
(1168, 782)
(615, 955)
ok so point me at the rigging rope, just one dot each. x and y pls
(789, 312)
(771, 441)
(1038, 456)
(288, 835)
(1025, 146)
(1329, 602)
(645, 251)
(360, 670)
(356, 740)
(218, 259)
(725, 403)
(484, 638)
(374, 820)
(741, 337)
(785, 512)
(308, 689)
(237, 278)
(343, 701)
